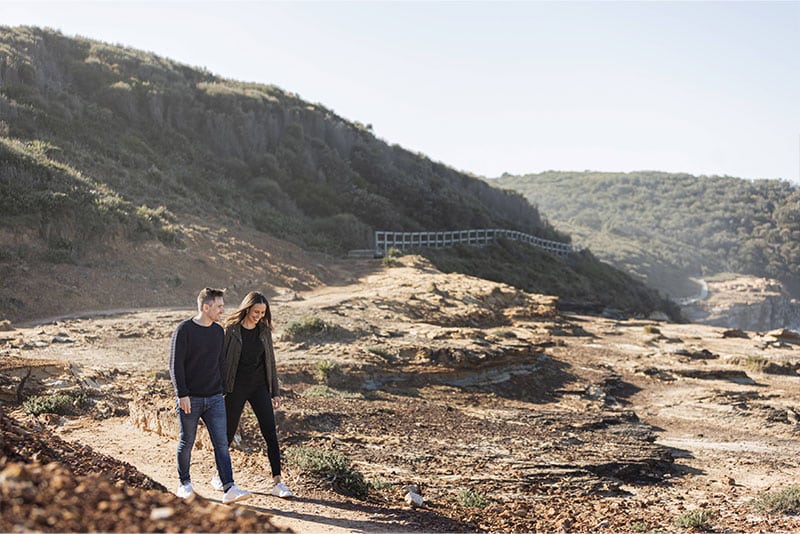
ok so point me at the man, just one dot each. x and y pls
(196, 366)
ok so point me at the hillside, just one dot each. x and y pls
(131, 180)
(669, 228)
(174, 138)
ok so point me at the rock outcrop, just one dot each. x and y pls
(747, 303)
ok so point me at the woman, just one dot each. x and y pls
(251, 376)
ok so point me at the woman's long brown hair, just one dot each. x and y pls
(252, 298)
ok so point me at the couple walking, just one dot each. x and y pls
(207, 362)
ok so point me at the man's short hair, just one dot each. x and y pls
(208, 295)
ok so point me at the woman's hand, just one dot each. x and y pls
(276, 402)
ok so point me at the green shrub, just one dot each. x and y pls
(308, 327)
(785, 501)
(343, 231)
(323, 391)
(330, 466)
(326, 369)
(390, 259)
(698, 519)
(379, 484)
(58, 403)
(471, 498)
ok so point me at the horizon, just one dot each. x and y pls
(505, 87)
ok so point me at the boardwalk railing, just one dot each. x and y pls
(402, 240)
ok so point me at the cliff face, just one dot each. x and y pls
(748, 303)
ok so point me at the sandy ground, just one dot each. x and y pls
(563, 422)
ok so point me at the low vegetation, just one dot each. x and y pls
(68, 211)
(308, 327)
(57, 403)
(697, 519)
(325, 391)
(330, 467)
(326, 370)
(390, 259)
(785, 501)
(471, 498)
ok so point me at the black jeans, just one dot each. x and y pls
(258, 397)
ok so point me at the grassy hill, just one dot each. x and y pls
(666, 228)
(121, 164)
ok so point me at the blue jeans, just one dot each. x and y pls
(212, 411)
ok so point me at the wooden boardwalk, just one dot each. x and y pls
(404, 240)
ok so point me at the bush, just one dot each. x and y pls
(323, 391)
(379, 484)
(699, 519)
(471, 498)
(307, 327)
(343, 231)
(326, 369)
(58, 403)
(330, 466)
(390, 259)
(785, 501)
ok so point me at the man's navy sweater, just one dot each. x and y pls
(197, 359)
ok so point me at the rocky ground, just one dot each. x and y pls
(746, 302)
(500, 412)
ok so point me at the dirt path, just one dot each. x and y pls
(155, 456)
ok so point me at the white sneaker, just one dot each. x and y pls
(185, 490)
(280, 490)
(234, 494)
(216, 482)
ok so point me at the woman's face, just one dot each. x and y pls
(256, 312)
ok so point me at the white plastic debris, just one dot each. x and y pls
(414, 499)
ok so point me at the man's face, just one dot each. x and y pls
(215, 309)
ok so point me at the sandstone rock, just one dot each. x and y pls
(785, 335)
(735, 332)
(158, 415)
(747, 303)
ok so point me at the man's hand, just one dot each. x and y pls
(186, 404)
(276, 402)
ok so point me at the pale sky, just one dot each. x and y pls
(493, 87)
